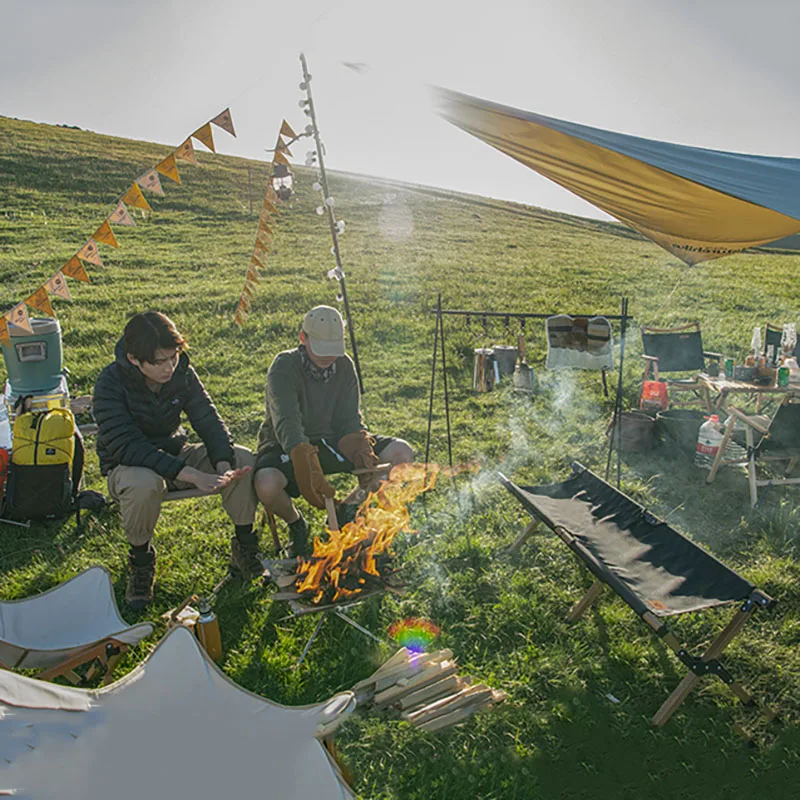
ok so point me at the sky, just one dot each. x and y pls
(709, 73)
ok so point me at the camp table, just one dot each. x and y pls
(656, 570)
(716, 391)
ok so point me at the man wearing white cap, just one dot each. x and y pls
(313, 424)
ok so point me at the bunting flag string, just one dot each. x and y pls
(74, 268)
(264, 232)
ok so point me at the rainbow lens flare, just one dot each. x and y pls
(415, 634)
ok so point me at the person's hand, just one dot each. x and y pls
(204, 481)
(235, 474)
(223, 467)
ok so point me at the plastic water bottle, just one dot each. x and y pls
(709, 439)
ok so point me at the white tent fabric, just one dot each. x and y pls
(175, 727)
(41, 631)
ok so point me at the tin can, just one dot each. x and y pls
(783, 376)
(728, 367)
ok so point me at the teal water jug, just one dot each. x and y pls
(34, 361)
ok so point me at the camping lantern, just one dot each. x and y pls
(33, 360)
(282, 181)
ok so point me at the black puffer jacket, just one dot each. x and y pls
(140, 428)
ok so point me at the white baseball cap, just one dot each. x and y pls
(324, 328)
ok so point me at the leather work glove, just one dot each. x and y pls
(357, 448)
(309, 476)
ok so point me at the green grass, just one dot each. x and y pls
(559, 735)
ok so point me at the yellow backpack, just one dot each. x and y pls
(44, 437)
(46, 465)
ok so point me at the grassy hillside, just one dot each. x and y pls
(559, 735)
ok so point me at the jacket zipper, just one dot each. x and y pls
(38, 423)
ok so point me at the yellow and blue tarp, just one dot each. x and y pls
(698, 204)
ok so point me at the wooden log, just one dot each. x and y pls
(437, 723)
(436, 691)
(474, 695)
(406, 685)
(413, 666)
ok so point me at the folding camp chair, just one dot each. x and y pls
(776, 440)
(191, 728)
(772, 338)
(657, 571)
(676, 350)
(73, 624)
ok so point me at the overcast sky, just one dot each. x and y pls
(710, 73)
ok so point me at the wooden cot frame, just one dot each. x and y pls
(707, 664)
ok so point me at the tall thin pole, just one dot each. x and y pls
(328, 205)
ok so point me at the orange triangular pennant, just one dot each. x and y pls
(203, 134)
(248, 289)
(19, 316)
(74, 269)
(286, 130)
(134, 197)
(105, 235)
(57, 285)
(279, 158)
(120, 215)
(151, 182)
(40, 301)
(90, 253)
(269, 206)
(252, 275)
(260, 249)
(224, 121)
(282, 146)
(185, 152)
(265, 223)
(244, 302)
(5, 338)
(169, 168)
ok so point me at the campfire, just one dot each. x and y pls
(357, 560)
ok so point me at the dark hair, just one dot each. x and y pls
(145, 333)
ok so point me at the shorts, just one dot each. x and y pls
(330, 459)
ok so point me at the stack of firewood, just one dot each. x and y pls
(425, 690)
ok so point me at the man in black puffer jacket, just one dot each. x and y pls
(143, 451)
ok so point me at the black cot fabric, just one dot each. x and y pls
(647, 563)
(679, 351)
(784, 431)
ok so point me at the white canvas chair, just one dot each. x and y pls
(72, 624)
(174, 727)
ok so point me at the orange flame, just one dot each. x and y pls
(340, 562)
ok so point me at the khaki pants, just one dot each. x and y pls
(140, 491)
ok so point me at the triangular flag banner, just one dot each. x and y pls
(151, 182)
(90, 253)
(5, 338)
(105, 235)
(57, 285)
(19, 316)
(252, 275)
(247, 289)
(225, 122)
(261, 247)
(244, 302)
(263, 240)
(265, 223)
(134, 197)
(185, 152)
(40, 301)
(268, 206)
(271, 195)
(282, 146)
(279, 158)
(169, 168)
(286, 130)
(120, 215)
(203, 134)
(74, 269)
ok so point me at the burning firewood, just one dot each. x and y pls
(425, 690)
(349, 563)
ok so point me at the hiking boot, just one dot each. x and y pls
(141, 577)
(245, 557)
(298, 535)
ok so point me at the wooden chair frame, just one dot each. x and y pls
(707, 664)
(754, 425)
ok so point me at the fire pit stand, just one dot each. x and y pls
(278, 568)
